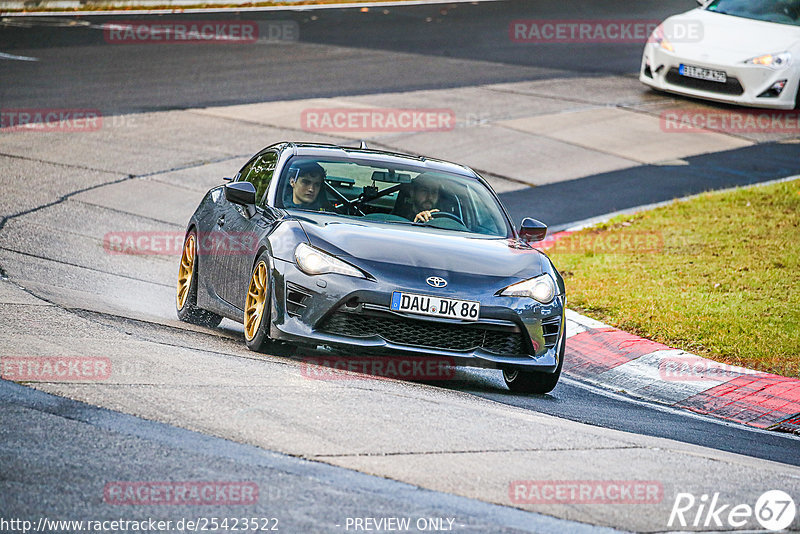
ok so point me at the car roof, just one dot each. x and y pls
(383, 156)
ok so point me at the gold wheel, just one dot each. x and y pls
(186, 271)
(256, 301)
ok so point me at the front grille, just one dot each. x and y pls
(550, 328)
(427, 334)
(730, 87)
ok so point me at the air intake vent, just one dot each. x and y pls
(550, 328)
(296, 297)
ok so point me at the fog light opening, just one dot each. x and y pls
(774, 91)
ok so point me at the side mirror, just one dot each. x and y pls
(243, 193)
(532, 230)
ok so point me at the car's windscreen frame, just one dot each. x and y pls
(490, 200)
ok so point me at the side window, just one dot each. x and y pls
(259, 172)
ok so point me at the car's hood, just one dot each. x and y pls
(391, 249)
(726, 39)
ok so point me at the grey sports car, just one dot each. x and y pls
(375, 252)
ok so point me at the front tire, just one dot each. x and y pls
(533, 382)
(256, 306)
(186, 297)
(797, 98)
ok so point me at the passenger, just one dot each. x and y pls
(306, 186)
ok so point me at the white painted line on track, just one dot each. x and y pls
(177, 9)
(669, 409)
(17, 58)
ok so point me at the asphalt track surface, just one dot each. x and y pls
(340, 52)
(434, 55)
(611, 192)
(304, 496)
(348, 52)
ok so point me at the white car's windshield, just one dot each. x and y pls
(403, 195)
(780, 11)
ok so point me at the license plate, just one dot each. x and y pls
(703, 74)
(467, 310)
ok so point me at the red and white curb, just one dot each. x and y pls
(611, 358)
(614, 359)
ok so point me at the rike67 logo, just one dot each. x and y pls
(774, 510)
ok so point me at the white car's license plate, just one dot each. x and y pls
(703, 74)
(467, 310)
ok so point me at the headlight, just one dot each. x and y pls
(313, 261)
(659, 38)
(541, 288)
(775, 61)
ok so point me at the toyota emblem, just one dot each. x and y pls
(435, 281)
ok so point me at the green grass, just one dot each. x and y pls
(717, 275)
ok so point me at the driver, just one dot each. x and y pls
(424, 196)
(306, 186)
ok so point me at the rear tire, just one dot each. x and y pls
(186, 298)
(533, 382)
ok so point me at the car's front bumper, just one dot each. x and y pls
(746, 83)
(350, 313)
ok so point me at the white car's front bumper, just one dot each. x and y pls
(746, 83)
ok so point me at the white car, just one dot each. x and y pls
(744, 52)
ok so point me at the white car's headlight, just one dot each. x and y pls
(658, 37)
(313, 261)
(542, 288)
(775, 61)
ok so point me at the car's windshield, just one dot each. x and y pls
(370, 190)
(780, 11)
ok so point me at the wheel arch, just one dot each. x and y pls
(797, 96)
(261, 250)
